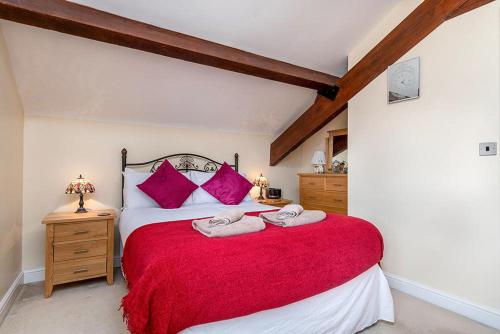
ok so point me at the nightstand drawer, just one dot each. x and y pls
(79, 269)
(80, 231)
(80, 249)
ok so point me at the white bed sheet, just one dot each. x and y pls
(131, 219)
(346, 309)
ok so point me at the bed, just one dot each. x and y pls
(182, 282)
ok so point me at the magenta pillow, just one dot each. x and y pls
(168, 187)
(227, 186)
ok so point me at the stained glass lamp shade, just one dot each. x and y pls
(261, 182)
(80, 186)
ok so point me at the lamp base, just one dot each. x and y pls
(81, 209)
(261, 195)
(319, 169)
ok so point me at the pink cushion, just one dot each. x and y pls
(168, 187)
(227, 186)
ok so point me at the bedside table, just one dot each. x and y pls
(78, 246)
(280, 202)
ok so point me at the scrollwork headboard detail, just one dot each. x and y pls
(181, 161)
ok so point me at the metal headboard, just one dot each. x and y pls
(181, 161)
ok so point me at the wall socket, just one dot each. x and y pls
(488, 148)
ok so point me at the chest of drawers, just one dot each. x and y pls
(327, 192)
(78, 246)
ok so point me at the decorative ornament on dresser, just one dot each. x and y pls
(261, 182)
(403, 81)
(319, 161)
(339, 167)
(80, 186)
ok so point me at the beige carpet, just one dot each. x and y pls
(92, 307)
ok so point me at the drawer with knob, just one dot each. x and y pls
(329, 209)
(309, 196)
(69, 271)
(337, 183)
(80, 231)
(80, 249)
(335, 199)
(326, 198)
(312, 183)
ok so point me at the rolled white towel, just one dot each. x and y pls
(290, 211)
(227, 217)
(306, 217)
(247, 224)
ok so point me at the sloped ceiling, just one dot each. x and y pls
(65, 76)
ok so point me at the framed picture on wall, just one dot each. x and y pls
(403, 81)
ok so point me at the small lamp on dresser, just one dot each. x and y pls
(261, 182)
(318, 161)
(80, 186)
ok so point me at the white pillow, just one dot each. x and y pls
(133, 197)
(200, 195)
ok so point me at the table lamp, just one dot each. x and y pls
(80, 186)
(261, 182)
(319, 160)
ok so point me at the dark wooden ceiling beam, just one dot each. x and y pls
(82, 21)
(429, 15)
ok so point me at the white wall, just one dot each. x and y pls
(415, 170)
(57, 150)
(11, 167)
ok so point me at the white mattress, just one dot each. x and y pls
(346, 309)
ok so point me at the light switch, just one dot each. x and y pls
(488, 148)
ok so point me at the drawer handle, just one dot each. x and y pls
(337, 185)
(81, 232)
(81, 251)
(79, 271)
(337, 200)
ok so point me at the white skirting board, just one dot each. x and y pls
(479, 313)
(34, 275)
(9, 297)
(482, 314)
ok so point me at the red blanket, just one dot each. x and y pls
(178, 278)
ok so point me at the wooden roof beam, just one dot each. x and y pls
(429, 15)
(74, 19)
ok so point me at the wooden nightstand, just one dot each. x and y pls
(78, 246)
(281, 202)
